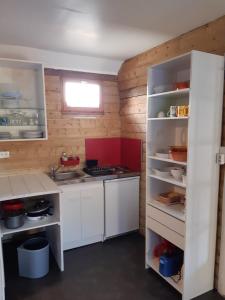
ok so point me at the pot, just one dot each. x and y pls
(14, 219)
(40, 208)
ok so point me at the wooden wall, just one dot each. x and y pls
(66, 133)
(133, 79)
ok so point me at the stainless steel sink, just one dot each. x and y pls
(68, 175)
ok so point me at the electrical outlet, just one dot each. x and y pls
(4, 154)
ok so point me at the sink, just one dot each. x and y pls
(68, 175)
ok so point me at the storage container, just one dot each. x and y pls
(33, 258)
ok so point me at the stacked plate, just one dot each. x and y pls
(32, 134)
(5, 135)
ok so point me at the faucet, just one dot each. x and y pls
(53, 170)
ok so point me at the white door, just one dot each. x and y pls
(121, 206)
(92, 210)
(71, 217)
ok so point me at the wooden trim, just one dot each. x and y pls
(80, 75)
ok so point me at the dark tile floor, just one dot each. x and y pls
(113, 270)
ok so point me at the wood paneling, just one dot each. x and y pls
(66, 132)
(133, 82)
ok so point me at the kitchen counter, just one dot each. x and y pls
(87, 178)
(26, 185)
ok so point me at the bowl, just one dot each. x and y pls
(178, 153)
(164, 173)
(177, 173)
(162, 88)
(182, 85)
(162, 155)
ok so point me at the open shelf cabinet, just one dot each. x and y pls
(190, 226)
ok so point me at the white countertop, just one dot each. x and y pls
(26, 185)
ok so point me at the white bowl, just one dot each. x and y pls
(164, 173)
(162, 88)
(177, 173)
(162, 155)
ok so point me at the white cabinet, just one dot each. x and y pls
(22, 101)
(82, 214)
(121, 206)
(193, 227)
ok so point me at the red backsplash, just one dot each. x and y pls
(115, 152)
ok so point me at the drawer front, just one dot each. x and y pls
(165, 219)
(166, 233)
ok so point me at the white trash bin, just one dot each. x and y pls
(33, 258)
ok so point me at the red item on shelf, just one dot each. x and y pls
(182, 85)
(164, 247)
(72, 161)
(14, 205)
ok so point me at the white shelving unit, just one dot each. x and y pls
(191, 228)
(22, 99)
(28, 188)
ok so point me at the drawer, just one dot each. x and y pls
(165, 219)
(166, 233)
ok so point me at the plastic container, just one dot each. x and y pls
(33, 258)
(170, 265)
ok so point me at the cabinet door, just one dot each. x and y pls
(92, 210)
(71, 217)
(121, 206)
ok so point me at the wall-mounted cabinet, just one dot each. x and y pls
(182, 186)
(22, 101)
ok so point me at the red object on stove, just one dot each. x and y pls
(72, 161)
(112, 152)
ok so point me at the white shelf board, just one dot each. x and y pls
(183, 163)
(175, 210)
(169, 180)
(28, 225)
(171, 93)
(168, 118)
(154, 264)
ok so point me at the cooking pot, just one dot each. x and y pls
(40, 208)
(14, 219)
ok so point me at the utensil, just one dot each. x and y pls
(172, 112)
(182, 111)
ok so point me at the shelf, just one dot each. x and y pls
(20, 108)
(49, 221)
(175, 93)
(17, 139)
(168, 118)
(169, 180)
(175, 210)
(183, 163)
(154, 264)
(21, 126)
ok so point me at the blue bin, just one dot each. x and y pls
(170, 265)
(33, 258)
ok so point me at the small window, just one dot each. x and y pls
(82, 97)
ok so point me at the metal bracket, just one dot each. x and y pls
(220, 157)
